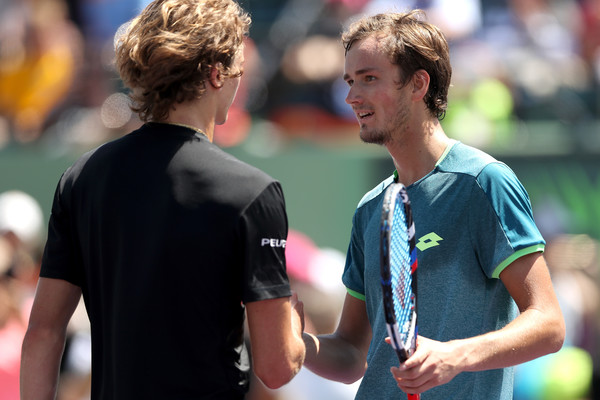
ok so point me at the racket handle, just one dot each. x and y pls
(414, 396)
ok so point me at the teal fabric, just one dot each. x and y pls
(472, 219)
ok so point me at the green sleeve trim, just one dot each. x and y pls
(356, 294)
(518, 254)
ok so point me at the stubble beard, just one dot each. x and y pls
(385, 135)
(379, 137)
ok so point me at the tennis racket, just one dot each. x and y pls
(399, 272)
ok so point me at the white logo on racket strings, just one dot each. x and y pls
(272, 242)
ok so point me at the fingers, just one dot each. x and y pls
(432, 364)
(415, 359)
(411, 375)
(407, 380)
(414, 375)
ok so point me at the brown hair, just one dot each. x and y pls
(412, 44)
(167, 52)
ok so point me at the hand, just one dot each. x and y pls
(432, 364)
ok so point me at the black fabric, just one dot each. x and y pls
(168, 236)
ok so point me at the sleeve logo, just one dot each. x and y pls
(272, 242)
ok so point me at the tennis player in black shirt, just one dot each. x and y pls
(170, 240)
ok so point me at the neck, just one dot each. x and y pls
(189, 127)
(187, 114)
(418, 152)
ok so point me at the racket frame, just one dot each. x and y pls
(396, 196)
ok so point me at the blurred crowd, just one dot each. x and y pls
(514, 61)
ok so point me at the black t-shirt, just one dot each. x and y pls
(168, 236)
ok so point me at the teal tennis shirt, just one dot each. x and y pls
(472, 218)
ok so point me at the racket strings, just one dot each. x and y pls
(400, 269)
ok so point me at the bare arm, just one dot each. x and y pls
(342, 355)
(43, 346)
(275, 327)
(538, 330)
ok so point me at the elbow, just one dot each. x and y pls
(558, 337)
(353, 377)
(274, 372)
(554, 333)
(276, 376)
(274, 382)
(349, 380)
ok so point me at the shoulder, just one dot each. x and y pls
(73, 172)
(466, 160)
(376, 192)
(234, 181)
(100, 155)
(241, 171)
(486, 170)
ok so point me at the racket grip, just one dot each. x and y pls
(414, 396)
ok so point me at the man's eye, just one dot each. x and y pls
(369, 78)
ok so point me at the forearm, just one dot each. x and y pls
(276, 340)
(40, 364)
(333, 358)
(531, 335)
(537, 331)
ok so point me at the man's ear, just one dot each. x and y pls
(420, 81)
(216, 80)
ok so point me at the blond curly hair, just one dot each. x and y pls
(166, 54)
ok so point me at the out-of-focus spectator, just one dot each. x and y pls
(590, 33)
(456, 18)
(98, 21)
(12, 329)
(21, 223)
(40, 50)
(21, 226)
(21, 239)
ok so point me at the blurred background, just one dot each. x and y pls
(526, 89)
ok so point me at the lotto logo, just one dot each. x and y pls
(430, 240)
(272, 242)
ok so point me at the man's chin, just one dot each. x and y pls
(372, 137)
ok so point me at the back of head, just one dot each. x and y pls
(412, 44)
(167, 52)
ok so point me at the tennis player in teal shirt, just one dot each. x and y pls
(485, 299)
